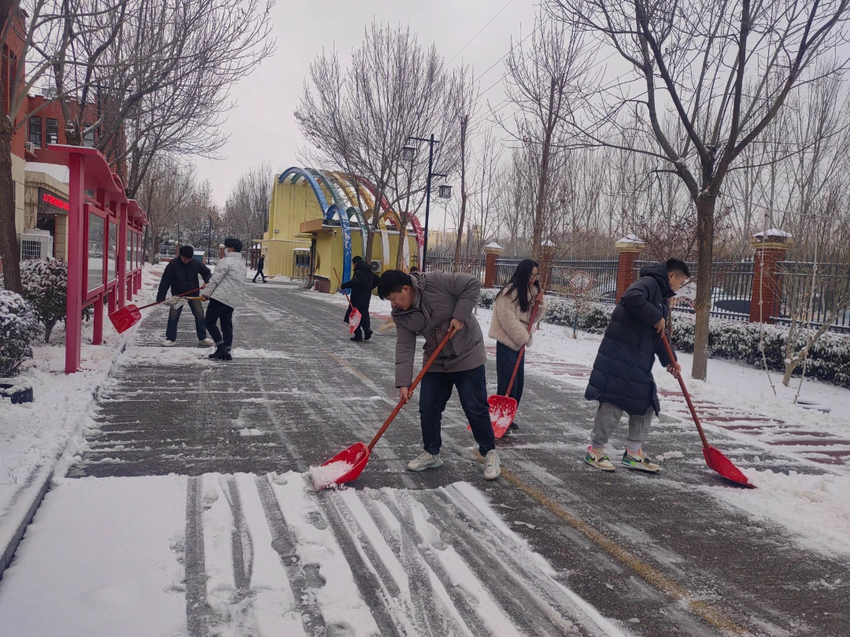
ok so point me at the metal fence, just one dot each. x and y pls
(731, 289)
(472, 266)
(593, 280)
(830, 297)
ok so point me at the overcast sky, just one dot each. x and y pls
(262, 126)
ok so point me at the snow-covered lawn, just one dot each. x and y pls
(34, 435)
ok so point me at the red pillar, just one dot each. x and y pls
(77, 244)
(123, 233)
(770, 250)
(492, 250)
(628, 251)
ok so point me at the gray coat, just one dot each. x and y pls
(227, 284)
(440, 297)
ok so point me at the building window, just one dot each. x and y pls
(52, 131)
(34, 136)
(88, 138)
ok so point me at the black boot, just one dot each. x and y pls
(221, 353)
(368, 335)
(356, 338)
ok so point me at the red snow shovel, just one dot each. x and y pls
(354, 316)
(126, 317)
(713, 458)
(503, 408)
(357, 455)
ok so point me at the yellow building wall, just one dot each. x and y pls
(291, 205)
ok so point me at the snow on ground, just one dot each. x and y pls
(33, 435)
(241, 555)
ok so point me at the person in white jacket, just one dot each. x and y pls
(226, 291)
(509, 325)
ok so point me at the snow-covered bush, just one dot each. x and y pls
(486, 297)
(155, 259)
(829, 358)
(45, 283)
(18, 326)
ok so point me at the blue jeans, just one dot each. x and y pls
(505, 361)
(174, 317)
(472, 391)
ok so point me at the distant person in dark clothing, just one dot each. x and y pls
(260, 264)
(361, 285)
(181, 275)
(413, 269)
(621, 379)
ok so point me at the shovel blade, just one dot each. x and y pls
(124, 318)
(502, 412)
(357, 455)
(354, 320)
(722, 465)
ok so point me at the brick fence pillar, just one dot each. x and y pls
(492, 250)
(547, 257)
(770, 248)
(628, 250)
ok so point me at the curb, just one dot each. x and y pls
(38, 482)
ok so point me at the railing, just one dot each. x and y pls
(593, 280)
(471, 266)
(731, 289)
(831, 294)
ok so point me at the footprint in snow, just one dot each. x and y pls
(315, 518)
(313, 577)
(340, 629)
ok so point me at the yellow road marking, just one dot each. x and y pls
(347, 366)
(647, 572)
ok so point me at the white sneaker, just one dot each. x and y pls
(424, 461)
(492, 470)
(206, 342)
(167, 343)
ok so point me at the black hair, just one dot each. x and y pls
(677, 265)
(519, 282)
(236, 244)
(392, 281)
(357, 259)
(413, 269)
(187, 251)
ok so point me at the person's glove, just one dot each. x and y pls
(174, 301)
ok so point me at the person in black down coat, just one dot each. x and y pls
(181, 275)
(361, 285)
(621, 379)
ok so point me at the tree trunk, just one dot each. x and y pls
(370, 238)
(399, 253)
(48, 330)
(463, 124)
(702, 306)
(537, 237)
(8, 235)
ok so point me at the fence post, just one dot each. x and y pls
(770, 248)
(628, 250)
(492, 250)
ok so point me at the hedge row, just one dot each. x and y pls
(829, 358)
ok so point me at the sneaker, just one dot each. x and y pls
(206, 342)
(492, 470)
(514, 426)
(368, 335)
(167, 343)
(639, 462)
(598, 459)
(424, 461)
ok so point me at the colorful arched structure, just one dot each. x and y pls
(306, 204)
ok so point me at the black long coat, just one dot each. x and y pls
(622, 372)
(361, 285)
(181, 277)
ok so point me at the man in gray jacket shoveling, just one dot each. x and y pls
(428, 305)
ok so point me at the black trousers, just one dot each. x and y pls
(505, 362)
(259, 273)
(219, 312)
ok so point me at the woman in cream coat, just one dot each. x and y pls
(509, 325)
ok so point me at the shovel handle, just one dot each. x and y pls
(685, 391)
(159, 302)
(412, 387)
(522, 349)
(343, 291)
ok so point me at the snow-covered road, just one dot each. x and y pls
(186, 510)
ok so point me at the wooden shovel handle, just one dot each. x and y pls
(157, 303)
(412, 387)
(343, 291)
(522, 349)
(685, 391)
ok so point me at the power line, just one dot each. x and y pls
(481, 30)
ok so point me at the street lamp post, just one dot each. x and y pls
(408, 153)
(209, 239)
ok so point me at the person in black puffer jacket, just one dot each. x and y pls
(181, 275)
(361, 285)
(621, 379)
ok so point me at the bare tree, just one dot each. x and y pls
(360, 118)
(247, 208)
(724, 69)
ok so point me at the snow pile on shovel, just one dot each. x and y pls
(325, 476)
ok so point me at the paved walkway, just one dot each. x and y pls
(656, 554)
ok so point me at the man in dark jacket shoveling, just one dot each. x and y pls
(181, 275)
(361, 285)
(428, 305)
(621, 379)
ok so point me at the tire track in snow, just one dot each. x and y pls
(197, 609)
(243, 546)
(284, 545)
(367, 583)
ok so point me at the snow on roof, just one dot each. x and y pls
(773, 232)
(494, 246)
(57, 171)
(548, 244)
(630, 238)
